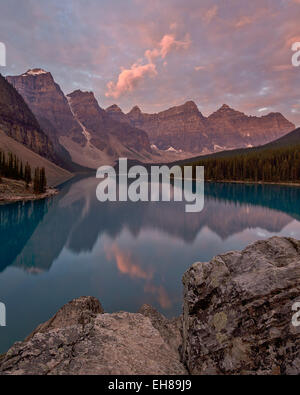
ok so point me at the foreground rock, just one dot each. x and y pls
(170, 330)
(237, 320)
(80, 339)
(238, 311)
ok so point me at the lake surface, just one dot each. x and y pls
(125, 254)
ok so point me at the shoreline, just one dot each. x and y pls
(13, 191)
(293, 184)
(30, 198)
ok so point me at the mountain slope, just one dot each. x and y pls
(55, 174)
(106, 139)
(50, 106)
(278, 161)
(100, 126)
(18, 122)
(48, 103)
(289, 140)
(117, 114)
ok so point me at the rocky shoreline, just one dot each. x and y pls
(237, 319)
(12, 191)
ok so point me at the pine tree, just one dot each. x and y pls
(270, 165)
(27, 175)
(21, 171)
(36, 181)
(43, 181)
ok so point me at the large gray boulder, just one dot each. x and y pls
(81, 339)
(238, 311)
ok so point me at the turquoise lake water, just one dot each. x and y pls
(125, 254)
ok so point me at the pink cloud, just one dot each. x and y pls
(210, 14)
(129, 79)
(207, 67)
(167, 44)
(291, 40)
(243, 21)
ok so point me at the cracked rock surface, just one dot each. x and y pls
(238, 311)
(81, 339)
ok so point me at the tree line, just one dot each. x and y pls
(12, 167)
(270, 165)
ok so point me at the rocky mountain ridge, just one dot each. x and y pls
(22, 135)
(101, 130)
(79, 128)
(185, 128)
(55, 174)
(18, 122)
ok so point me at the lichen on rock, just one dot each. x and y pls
(238, 311)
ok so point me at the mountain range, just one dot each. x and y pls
(77, 124)
(75, 132)
(185, 128)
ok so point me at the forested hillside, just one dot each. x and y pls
(269, 165)
(12, 167)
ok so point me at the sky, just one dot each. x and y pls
(158, 54)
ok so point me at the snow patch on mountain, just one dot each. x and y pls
(172, 149)
(34, 72)
(83, 128)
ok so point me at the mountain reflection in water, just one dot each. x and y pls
(124, 253)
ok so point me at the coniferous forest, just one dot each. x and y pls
(12, 167)
(270, 165)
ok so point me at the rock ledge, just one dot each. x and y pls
(81, 339)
